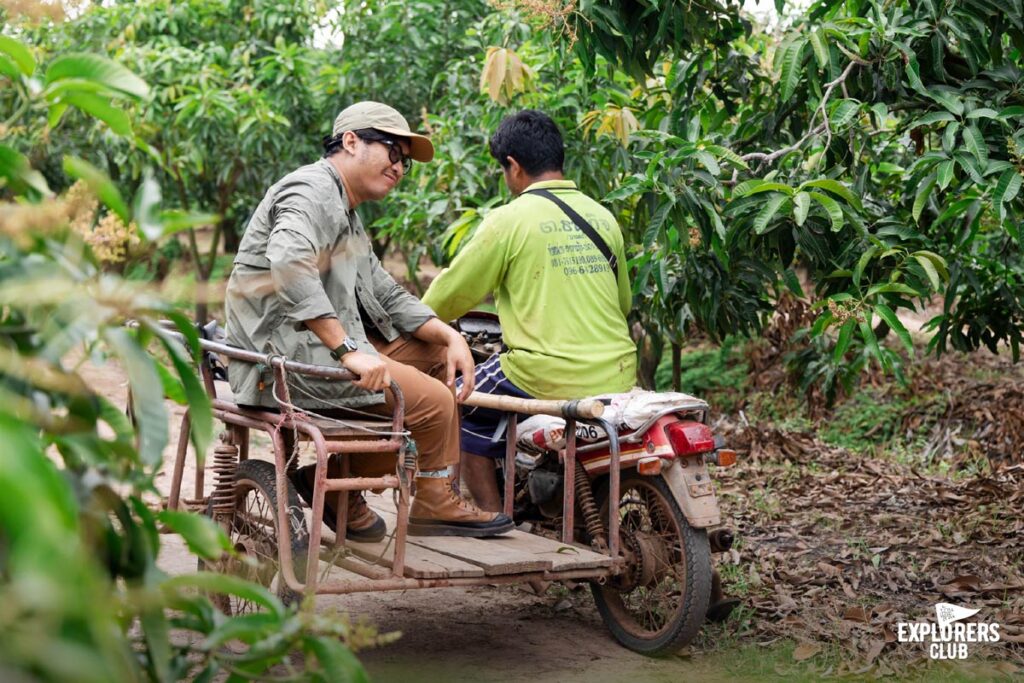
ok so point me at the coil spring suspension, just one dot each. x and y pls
(225, 466)
(588, 506)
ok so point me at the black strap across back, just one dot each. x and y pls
(585, 227)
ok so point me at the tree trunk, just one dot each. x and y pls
(231, 236)
(677, 369)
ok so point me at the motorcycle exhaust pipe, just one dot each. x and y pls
(721, 540)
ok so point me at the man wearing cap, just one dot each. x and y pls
(307, 285)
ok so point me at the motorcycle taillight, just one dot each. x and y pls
(690, 438)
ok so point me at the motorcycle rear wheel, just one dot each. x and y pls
(659, 603)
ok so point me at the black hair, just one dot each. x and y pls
(532, 139)
(332, 143)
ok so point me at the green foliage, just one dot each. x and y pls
(717, 375)
(875, 146)
(82, 596)
(870, 420)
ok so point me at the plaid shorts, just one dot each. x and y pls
(483, 430)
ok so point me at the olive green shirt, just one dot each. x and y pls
(562, 311)
(305, 255)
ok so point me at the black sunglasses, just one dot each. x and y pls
(395, 153)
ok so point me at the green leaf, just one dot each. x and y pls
(204, 536)
(727, 154)
(9, 68)
(831, 206)
(913, 71)
(171, 385)
(225, 584)
(870, 341)
(793, 282)
(98, 69)
(765, 215)
(17, 174)
(749, 187)
(1011, 112)
(843, 341)
(862, 263)
(982, 113)
(246, 628)
(21, 55)
(930, 271)
(893, 288)
(146, 207)
(801, 205)
(837, 188)
(100, 108)
(99, 184)
(949, 136)
(1007, 187)
(790, 75)
(336, 659)
(147, 394)
(55, 113)
(176, 220)
(891, 319)
(844, 112)
(200, 409)
(975, 142)
(708, 162)
(820, 48)
(924, 191)
(945, 173)
(888, 168)
(930, 118)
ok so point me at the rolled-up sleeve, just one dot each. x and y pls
(296, 277)
(406, 311)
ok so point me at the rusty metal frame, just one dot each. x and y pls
(375, 578)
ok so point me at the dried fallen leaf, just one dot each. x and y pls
(857, 614)
(873, 651)
(805, 651)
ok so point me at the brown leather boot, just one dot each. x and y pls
(438, 511)
(363, 523)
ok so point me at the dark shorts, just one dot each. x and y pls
(483, 430)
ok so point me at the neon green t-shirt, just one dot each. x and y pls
(562, 311)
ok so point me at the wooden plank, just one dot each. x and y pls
(495, 556)
(529, 547)
(420, 563)
(562, 557)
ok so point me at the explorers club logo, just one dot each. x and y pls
(949, 637)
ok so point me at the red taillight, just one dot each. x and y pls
(690, 438)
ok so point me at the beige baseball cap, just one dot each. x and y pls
(387, 120)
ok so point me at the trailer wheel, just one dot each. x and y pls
(253, 532)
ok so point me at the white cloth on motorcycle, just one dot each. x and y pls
(626, 411)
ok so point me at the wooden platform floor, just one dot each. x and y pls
(434, 557)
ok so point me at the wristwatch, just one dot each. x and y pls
(347, 345)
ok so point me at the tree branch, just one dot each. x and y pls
(768, 157)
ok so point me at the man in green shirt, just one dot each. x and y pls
(561, 303)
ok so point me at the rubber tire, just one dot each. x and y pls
(261, 475)
(688, 622)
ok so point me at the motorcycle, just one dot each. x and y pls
(669, 521)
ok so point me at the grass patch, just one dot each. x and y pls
(716, 374)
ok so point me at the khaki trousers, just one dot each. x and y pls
(431, 413)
